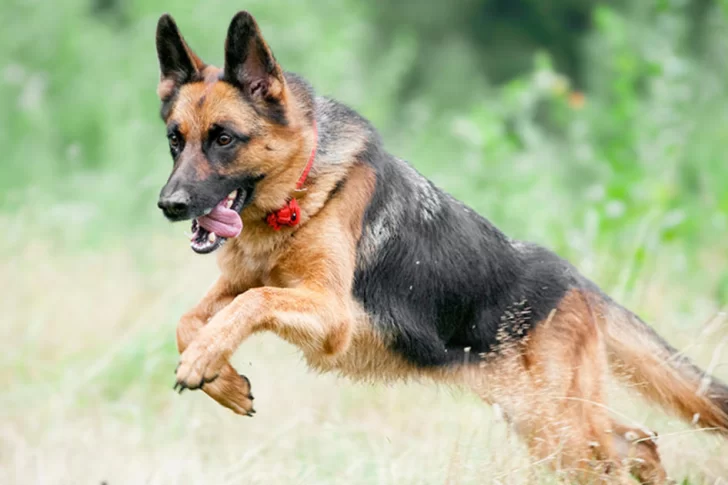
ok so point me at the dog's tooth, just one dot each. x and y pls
(233, 194)
(207, 211)
(212, 237)
(229, 203)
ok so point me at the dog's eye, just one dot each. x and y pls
(173, 140)
(224, 139)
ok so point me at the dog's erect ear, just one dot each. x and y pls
(249, 62)
(177, 63)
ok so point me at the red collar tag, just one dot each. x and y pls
(290, 214)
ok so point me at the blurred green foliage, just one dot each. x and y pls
(480, 95)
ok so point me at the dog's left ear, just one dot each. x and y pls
(177, 63)
(249, 62)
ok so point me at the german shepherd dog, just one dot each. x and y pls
(347, 252)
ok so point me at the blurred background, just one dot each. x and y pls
(596, 128)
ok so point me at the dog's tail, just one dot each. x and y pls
(640, 356)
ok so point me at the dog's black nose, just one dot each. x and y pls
(175, 205)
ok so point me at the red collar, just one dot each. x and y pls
(290, 214)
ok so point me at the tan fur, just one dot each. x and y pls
(165, 88)
(551, 387)
(276, 151)
(653, 371)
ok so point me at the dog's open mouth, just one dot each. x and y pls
(219, 223)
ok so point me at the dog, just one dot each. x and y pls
(346, 251)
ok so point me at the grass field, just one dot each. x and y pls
(624, 176)
(87, 392)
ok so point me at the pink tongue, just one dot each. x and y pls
(222, 221)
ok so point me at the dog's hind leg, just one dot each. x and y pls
(230, 389)
(551, 385)
(638, 451)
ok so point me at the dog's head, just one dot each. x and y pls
(228, 129)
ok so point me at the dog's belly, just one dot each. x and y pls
(367, 357)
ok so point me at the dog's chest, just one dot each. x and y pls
(246, 267)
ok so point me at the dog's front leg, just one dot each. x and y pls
(230, 389)
(316, 321)
(220, 294)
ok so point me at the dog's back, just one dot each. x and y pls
(435, 276)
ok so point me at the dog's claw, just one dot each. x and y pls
(179, 387)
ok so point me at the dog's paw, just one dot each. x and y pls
(197, 367)
(232, 390)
